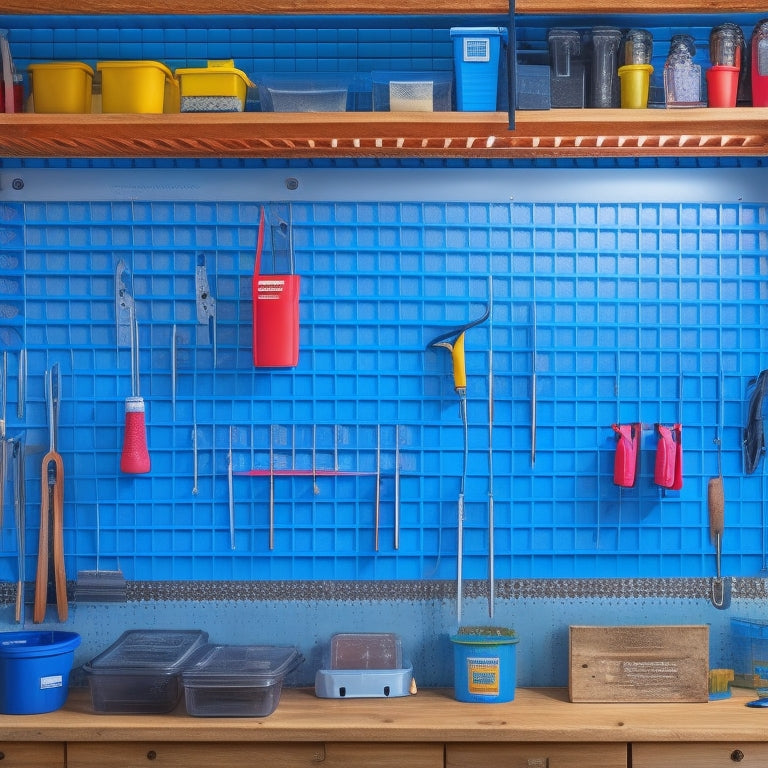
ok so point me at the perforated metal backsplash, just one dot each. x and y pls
(637, 308)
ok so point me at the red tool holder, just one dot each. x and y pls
(275, 314)
(668, 468)
(627, 453)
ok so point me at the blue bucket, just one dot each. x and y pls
(34, 670)
(485, 668)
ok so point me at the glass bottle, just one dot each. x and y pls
(682, 76)
(605, 92)
(759, 64)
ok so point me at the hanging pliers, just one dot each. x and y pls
(453, 341)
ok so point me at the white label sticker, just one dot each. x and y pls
(51, 681)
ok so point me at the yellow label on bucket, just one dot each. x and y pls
(483, 675)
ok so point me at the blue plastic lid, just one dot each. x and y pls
(37, 643)
(478, 31)
(508, 637)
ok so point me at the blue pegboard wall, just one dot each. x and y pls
(627, 298)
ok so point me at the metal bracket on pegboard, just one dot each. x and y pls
(512, 66)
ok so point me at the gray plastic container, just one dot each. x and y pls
(140, 673)
(238, 680)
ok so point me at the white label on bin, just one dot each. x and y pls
(51, 681)
(483, 676)
(477, 49)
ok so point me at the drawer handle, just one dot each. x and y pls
(737, 755)
(151, 755)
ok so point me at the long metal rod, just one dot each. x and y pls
(271, 491)
(533, 382)
(174, 345)
(19, 501)
(460, 508)
(21, 384)
(195, 489)
(491, 523)
(377, 511)
(231, 494)
(397, 487)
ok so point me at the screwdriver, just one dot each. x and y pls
(135, 456)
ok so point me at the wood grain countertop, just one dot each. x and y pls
(432, 715)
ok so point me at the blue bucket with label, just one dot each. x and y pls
(485, 666)
(34, 670)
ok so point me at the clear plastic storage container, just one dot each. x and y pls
(238, 680)
(304, 92)
(140, 673)
(412, 91)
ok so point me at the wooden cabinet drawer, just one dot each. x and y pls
(154, 754)
(719, 754)
(536, 755)
(386, 755)
(236, 755)
(32, 754)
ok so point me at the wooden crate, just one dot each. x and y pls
(639, 663)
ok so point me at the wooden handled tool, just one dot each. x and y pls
(51, 513)
(720, 595)
(716, 508)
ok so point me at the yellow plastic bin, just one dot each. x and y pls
(145, 87)
(61, 86)
(219, 87)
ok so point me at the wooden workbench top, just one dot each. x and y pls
(432, 715)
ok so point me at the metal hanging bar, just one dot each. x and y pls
(512, 66)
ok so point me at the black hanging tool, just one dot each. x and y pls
(754, 432)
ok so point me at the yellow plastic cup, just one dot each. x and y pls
(635, 82)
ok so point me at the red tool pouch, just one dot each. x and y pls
(666, 458)
(677, 431)
(625, 459)
(275, 314)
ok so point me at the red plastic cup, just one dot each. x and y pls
(722, 85)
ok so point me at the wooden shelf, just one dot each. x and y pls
(556, 133)
(364, 7)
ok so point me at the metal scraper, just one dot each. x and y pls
(206, 307)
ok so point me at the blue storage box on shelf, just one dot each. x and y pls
(412, 91)
(749, 641)
(476, 56)
(532, 86)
